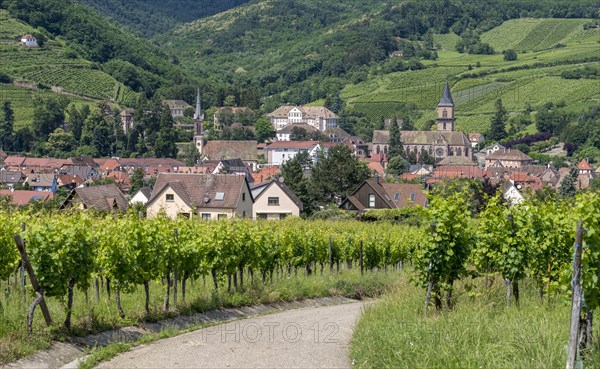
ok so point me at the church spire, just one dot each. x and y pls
(198, 114)
(446, 99)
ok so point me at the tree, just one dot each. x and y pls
(191, 154)
(137, 181)
(6, 127)
(567, 186)
(60, 143)
(263, 130)
(336, 173)
(397, 165)
(396, 148)
(509, 55)
(334, 102)
(498, 127)
(165, 145)
(48, 115)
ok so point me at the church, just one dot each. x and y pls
(439, 144)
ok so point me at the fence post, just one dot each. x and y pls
(362, 269)
(576, 299)
(34, 283)
(330, 256)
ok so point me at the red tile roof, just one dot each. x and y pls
(21, 198)
(584, 165)
(304, 145)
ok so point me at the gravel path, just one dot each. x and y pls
(304, 338)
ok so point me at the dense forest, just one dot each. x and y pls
(152, 17)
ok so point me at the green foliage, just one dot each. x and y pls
(441, 259)
(509, 55)
(498, 124)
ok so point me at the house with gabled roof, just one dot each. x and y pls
(508, 158)
(141, 196)
(377, 194)
(281, 151)
(273, 200)
(43, 182)
(285, 133)
(107, 198)
(229, 150)
(177, 107)
(29, 40)
(202, 196)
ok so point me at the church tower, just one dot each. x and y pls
(445, 111)
(198, 121)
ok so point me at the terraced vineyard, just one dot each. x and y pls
(23, 102)
(11, 28)
(535, 81)
(539, 34)
(50, 66)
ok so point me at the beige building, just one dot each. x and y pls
(507, 158)
(317, 116)
(201, 196)
(273, 200)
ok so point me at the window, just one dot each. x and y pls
(371, 200)
(205, 216)
(445, 114)
(170, 197)
(220, 196)
(273, 201)
(397, 196)
(413, 196)
(261, 216)
(243, 196)
(221, 216)
(282, 216)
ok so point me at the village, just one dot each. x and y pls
(242, 178)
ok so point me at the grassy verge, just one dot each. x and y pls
(480, 332)
(91, 316)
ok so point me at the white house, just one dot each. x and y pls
(273, 200)
(29, 41)
(285, 133)
(511, 193)
(281, 151)
(317, 116)
(141, 196)
(177, 107)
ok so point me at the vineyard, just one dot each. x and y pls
(477, 81)
(539, 34)
(11, 28)
(82, 251)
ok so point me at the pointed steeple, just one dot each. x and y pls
(198, 115)
(446, 99)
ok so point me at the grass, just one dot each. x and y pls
(539, 34)
(479, 332)
(91, 317)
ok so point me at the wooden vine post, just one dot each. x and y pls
(362, 269)
(430, 277)
(36, 287)
(576, 299)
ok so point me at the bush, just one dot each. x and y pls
(509, 55)
(5, 78)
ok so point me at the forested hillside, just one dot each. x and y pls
(151, 17)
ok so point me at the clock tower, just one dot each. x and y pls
(445, 111)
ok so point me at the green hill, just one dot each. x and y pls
(50, 66)
(533, 79)
(151, 17)
(539, 34)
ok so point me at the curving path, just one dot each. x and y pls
(304, 338)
